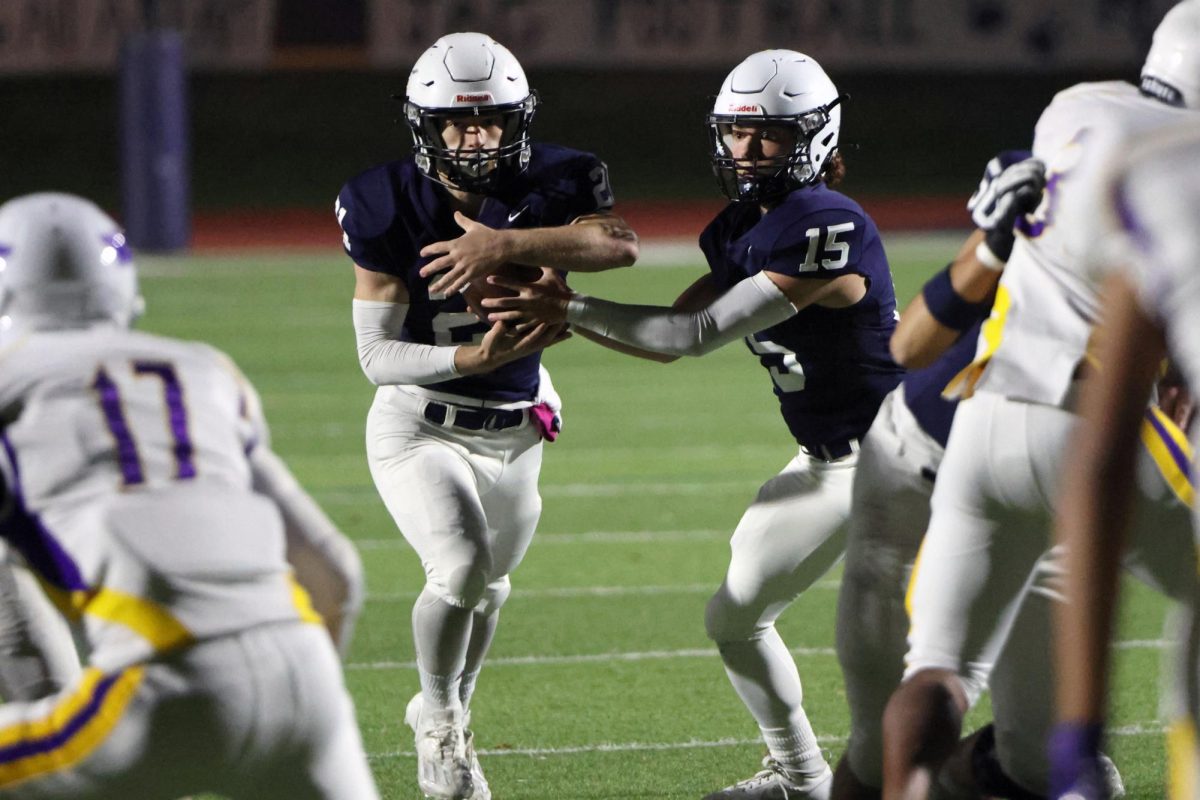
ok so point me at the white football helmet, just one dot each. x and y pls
(64, 263)
(1172, 69)
(777, 87)
(469, 74)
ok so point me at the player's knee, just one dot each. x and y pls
(494, 596)
(466, 584)
(728, 620)
(460, 573)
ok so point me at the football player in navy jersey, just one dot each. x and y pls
(454, 437)
(797, 269)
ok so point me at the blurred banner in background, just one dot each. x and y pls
(942, 34)
(221, 35)
(85, 35)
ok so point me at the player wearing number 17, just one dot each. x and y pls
(137, 484)
(799, 271)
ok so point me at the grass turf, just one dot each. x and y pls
(602, 684)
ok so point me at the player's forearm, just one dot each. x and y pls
(950, 302)
(592, 245)
(919, 339)
(1097, 497)
(474, 360)
(752, 305)
(603, 341)
(322, 558)
(1092, 536)
(387, 361)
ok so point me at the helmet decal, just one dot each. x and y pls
(57, 265)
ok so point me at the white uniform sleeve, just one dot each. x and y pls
(324, 560)
(750, 306)
(387, 361)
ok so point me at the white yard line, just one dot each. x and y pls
(1139, 729)
(589, 591)
(587, 537)
(590, 658)
(1143, 644)
(658, 655)
(353, 496)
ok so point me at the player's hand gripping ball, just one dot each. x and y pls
(479, 289)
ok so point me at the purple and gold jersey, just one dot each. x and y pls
(127, 461)
(831, 367)
(390, 212)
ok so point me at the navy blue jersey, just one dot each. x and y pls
(831, 367)
(390, 212)
(923, 387)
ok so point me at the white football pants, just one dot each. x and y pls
(990, 527)
(260, 715)
(466, 501)
(788, 538)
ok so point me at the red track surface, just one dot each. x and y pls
(308, 228)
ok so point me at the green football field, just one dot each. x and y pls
(601, 682)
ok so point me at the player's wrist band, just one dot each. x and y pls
(1073, 749)
(985, 254)
(947, 306)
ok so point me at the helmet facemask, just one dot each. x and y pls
(474, 170)
(771, 178)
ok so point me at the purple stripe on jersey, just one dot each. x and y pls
(114, 417)
(55, 740)
(1178, 456)
(5, 250)
(1036, 228)
(1129, 220)
(176, 414)
(26, 532)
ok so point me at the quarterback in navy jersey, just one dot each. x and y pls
(454, 437)
(830, 364)
(798, 270)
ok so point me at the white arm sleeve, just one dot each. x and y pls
(323, 559)
(385, 360)
(750, 306)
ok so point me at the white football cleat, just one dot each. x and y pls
(482, 790)
(774, 783)
(479, 785)
(1112, 777)
(443, 769)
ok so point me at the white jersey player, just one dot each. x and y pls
(1149, 310)
(998, 480)
(898, 464)
(126, 467)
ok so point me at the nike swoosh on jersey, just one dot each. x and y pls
(517, 213)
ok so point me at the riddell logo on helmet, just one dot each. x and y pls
(744, 109)
(473, 98)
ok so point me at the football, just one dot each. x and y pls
(480, 289)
